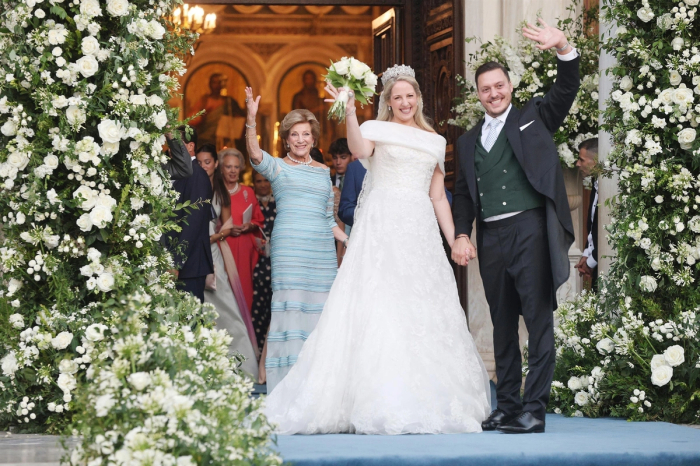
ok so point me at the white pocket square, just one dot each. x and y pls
(525, 126)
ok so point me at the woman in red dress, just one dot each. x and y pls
(242, 240)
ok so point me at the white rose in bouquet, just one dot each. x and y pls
(62, 340)
(75, 115)
(674, 77)
(666, 97)
(683, 96)
(84, 223)
(342, 66)
(100, 216)
(358, 69)
(93, 255)
(350, 75)
(16, 320)
(9, 128)
(138, 99)
(686, 137)
(645, 14)
(66, 382)
(657, 361)
(605, 346)
(13, 286)
(105, 282)
(626, 83)
(95, 332)
(139, 380)
(582, 398)
(58, 34)
(694, 224)
(677, 43)
(90, 8)
(160, 119)
(111, 131)
(155, 30)
(118, 7)
(674, 355)
(18, 160)
(90, 46)
(51, 161)
(9, 364)
(574, 384)
(155, 101)
(692, 2)
(371, 80)
(648, 283)
(89, 196)
(107, 149)
(661, 375)
(68, 366)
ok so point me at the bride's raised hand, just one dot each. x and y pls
(251, 103)
(336, 92)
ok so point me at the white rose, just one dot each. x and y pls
(657, 361)
(581, 398)
(90, 8)
(18, 160)
(160, 119)
(118, 7)
(100, 216)
(155, 101)
(139, 380)
(84, 223)
(156, 30)
(9, 364)
(9, 128)
(51, 161)
(666, 96)
(103, 404)
(342, 66)
(58, 35)
(90, 46)
(138, 99)
(605, 346)
(692, 2)
(656, 264)
(357, 69)
(371, 80)
(95, 332)
(106, 200)
(694, 224)
(105, 282)
(677, 43)
(686, 138)
(68, 366)
(93, 255)
(108, 148)
(87, 66)
(647, 283)
(88, 194)
(597, 373)
(683, 96)
(62, 340)
(674, 355)
(574, 384)
(659, 199)
(111, 131)
(16, 320)
(674, 77)
(626, 83)
(75, 115)
(645, 14)
(39, 13)
(661, 375)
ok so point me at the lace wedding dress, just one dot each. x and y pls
(391, 353)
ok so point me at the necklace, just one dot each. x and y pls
(300, 162)
(234, 190)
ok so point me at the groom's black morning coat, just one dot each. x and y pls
(537, 154)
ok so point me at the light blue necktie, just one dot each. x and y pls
(493, 134)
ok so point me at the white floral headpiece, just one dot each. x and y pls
(396, 71)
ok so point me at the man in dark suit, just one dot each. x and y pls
(511, 182)
(588, 264)
(340, 153)
(190, 247)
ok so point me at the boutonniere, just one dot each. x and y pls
(245, 195)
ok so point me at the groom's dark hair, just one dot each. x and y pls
(489, 66)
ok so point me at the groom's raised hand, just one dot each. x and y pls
(547, 36)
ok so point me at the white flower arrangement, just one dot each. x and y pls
(352, 75)
(95, 337)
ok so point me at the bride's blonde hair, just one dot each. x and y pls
(384, 114)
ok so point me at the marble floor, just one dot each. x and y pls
(30, 449)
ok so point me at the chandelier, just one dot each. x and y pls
(194, 19)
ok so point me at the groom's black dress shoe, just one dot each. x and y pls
(525, 423)
(496, 419)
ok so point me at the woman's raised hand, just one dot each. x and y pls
(332, 90)
(251, 103)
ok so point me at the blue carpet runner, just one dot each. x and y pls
(567, 441)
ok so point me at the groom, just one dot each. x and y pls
(511, 182)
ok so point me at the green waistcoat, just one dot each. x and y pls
(502, 183)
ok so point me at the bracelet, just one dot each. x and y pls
(255, 124)
(462, 236)
(558, 49)
(354, 111)
(345, 243)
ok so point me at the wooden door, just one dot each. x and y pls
(387, 43)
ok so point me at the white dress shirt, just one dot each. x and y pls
(588, 252)
(502, 117)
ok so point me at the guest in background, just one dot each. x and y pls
(304, 262)
(341, 158)
(262, 275)
(190, 247)
(588, 264)
(247, 221)
(220, 287)
(352, 185)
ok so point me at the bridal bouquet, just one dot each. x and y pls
(350, 74)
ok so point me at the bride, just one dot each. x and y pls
(391, 353)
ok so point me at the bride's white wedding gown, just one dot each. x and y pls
(391, 353)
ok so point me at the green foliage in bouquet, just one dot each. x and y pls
(644, 337)
(353, 75)
(94, 338)
(532, 72)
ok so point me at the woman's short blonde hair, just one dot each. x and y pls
(300, 116)
(233, 152)
(385, 114)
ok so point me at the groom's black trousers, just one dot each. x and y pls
(515, 268)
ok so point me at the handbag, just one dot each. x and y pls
(262, 244)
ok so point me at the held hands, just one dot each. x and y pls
(547, 36)
(583, 269)
(463, 251)
(332, 90)
(251, 103)
(238, 230)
